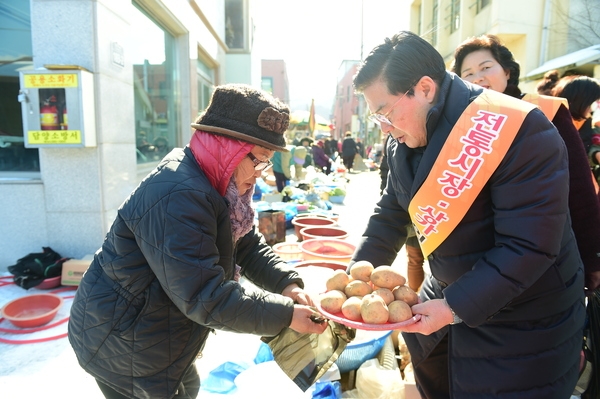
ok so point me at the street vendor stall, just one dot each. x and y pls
(300, 126)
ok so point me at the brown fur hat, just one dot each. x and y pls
(245, 113)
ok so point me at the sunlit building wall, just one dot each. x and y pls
(536, 31)
(154, 65)
(274, 79)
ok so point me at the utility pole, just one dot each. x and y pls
(362, 109)
(362, 27)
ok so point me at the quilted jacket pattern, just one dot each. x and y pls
(163, 280)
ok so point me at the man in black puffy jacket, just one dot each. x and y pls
(502, 314)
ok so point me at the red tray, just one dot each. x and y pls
(339, 317)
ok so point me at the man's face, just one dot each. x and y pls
(407, 114)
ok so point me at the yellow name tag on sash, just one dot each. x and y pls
(473, 150)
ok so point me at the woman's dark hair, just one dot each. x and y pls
(580, 91)
(400, 62)
(500, 53)
(548, 82)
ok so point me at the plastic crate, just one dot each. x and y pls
(356, 353)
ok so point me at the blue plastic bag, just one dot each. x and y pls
(264, 354)
(327, 390)
(221, 380)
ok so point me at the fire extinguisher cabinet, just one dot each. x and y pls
(57, 106)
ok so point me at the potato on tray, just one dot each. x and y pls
(332, 301)
(370, 297)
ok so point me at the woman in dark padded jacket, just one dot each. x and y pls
(167, 273)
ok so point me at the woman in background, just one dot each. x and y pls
(321, 160)
(581, 92)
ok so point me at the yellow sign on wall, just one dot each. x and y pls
(54, 136)
(49, 80)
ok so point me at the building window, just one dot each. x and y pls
(154, 84)
(434, 23)
(481, 4)
(235, 26)
(206, 82)
(267, 84)
(15, 53)
(454, 15)
(204, 93)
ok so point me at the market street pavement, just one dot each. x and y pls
(50, 369)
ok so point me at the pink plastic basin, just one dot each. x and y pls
(327, 249)
(310, 221)
(323, 231)
(329, 264)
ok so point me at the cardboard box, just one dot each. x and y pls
(73, 269)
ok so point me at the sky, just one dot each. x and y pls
(313, 37)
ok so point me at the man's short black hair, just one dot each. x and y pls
(400, 62)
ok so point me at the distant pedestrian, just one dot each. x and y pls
(383, 166)
(360, 147)
(282, 162)
(306, 142)
(349, 150)
(321, 160)
(298, 159)
(331, 148)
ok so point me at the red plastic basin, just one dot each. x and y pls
(310, 221)
(49, 283)
(323, 231)
(333, 265)
(327, 249)
(32, 310)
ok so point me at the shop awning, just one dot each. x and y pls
(577, 58)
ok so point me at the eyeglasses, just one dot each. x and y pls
(379, 119)
(258, 164)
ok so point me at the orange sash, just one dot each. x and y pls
(547, 104)
(473, 150)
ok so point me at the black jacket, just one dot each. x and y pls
(510, 269)
(163, 279)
